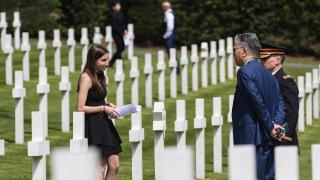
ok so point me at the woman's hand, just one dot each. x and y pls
(111, 112)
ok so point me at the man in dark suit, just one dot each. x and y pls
(258, 106)
(272, 57)
(118, 31)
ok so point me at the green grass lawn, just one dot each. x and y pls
(17, 165)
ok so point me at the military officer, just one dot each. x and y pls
(272, 57)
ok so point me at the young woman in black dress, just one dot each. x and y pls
(99, 128)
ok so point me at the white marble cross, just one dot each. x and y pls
(230, 57)
(231, 97)
(213, 57)
(315, 158)
(119, 79)
(158, 127)
(2, 151)
(131, 41)
(315, 87)
(38, 147)
(217, 121)
(161, 67)
(204, 55)
(43, 88)
(42, 45)
(65, 87)
(56, 43)
(16, 24)
(3, 27)
(71, 42)
(18, 93)
(8, 50)
(200, 125)
(222, 61)
(134, 75)
(194, 58)
(97, 37)
(181, 124)
(25, 48)
(173, 73)
(301, 120)
(78, 144)
(109, 39)
(148, 69)
(184, 69)
(136, 136)
(308, 87)
(84, 41)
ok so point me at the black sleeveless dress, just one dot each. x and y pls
(99, 129)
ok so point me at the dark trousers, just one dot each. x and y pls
(265, 162)
(120, 48)
(170, 42)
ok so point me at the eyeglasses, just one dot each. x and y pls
(235, 48)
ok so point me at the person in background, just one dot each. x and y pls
(258, 108)
(169, 29)
(272, 58)
(99, 129)
(118, 31)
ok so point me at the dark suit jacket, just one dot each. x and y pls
(117, 24)
(257, 103)
(289, 91)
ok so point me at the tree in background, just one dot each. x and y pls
(35, 15)
(88, 13)
(292, 23)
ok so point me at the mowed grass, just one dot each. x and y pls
(17, 165)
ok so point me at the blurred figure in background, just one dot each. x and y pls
(169, 29)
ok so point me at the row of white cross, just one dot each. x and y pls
(308, 98)
(180, 126)
(241, 158)
(6, 46)
(16, 24)
(43, 88)
(136, 134)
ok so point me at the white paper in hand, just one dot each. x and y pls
(127, 109)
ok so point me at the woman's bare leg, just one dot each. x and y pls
(113, 163)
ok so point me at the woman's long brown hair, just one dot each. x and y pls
(95, 52)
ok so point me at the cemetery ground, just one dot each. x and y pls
(17, 165)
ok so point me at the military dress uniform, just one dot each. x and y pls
(289, 91)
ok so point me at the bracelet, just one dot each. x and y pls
(102, 108)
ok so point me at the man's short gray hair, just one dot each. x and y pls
(250, 41)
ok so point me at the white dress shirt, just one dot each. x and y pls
(169, 20)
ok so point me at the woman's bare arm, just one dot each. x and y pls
(84, 86)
